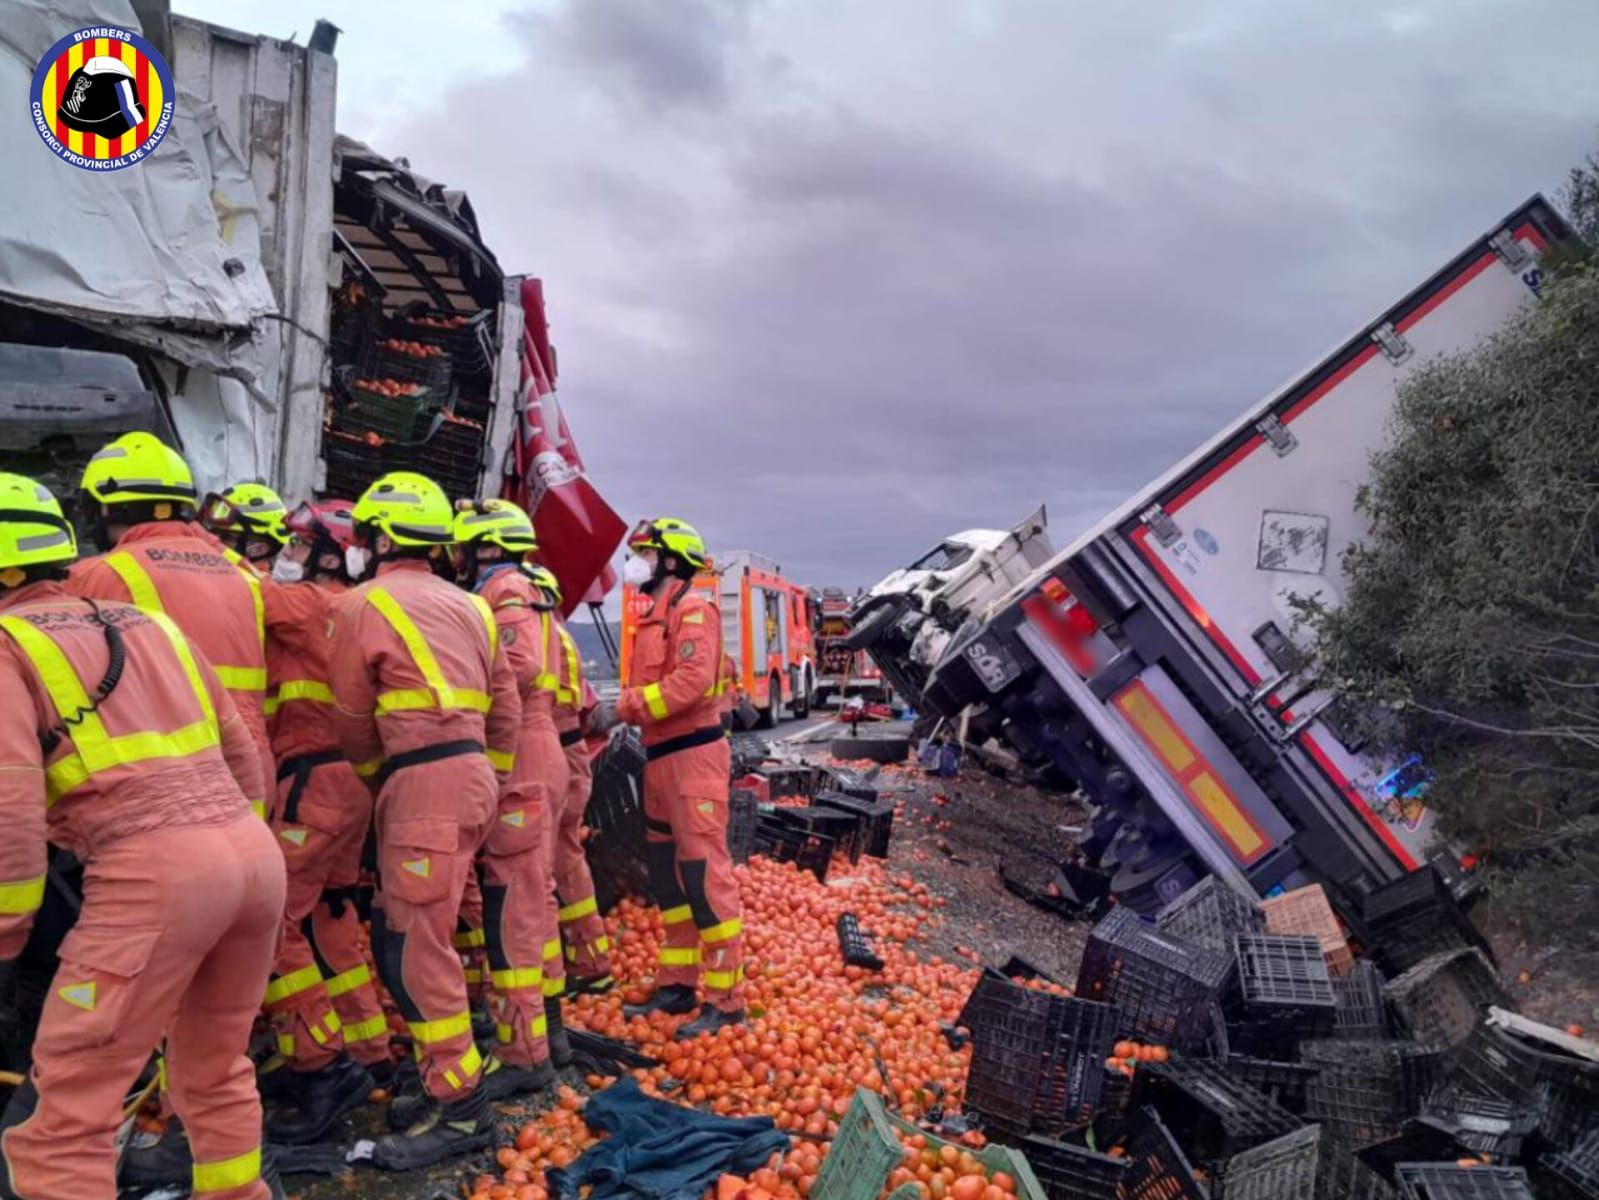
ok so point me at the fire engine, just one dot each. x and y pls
(768, 629)
(844, 671)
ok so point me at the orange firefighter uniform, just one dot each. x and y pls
(177, 568)
(588, 946)
(671, 694)
(321, 996)
(149, 784)
(426, 707)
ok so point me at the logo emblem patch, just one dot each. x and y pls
(102, 98)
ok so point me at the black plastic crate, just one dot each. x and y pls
(1164, 986)
(405, 418)
(842, 827)
(1446, 1181)
(1482, 1124)
(1037, 1059)
(1411, 919)
(1360, 1012)
(1366, 1091)
(1283, 972)
(1210, 913)
(785, 843)
(1157, 1167)
(615, 815)
(1526, 1062)
(1308, 1164)
(1070, 1172)
(743, 813)
(854, 945)
(386, 359)
(876, 816)
(469, 338)
(851, 782)
(1212, 1112)
(789, 779)
(1441, 999)
(1285, 1082)
(1572, 1173)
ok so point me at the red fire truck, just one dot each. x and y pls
(843, 672)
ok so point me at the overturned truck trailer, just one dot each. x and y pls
(1156, 662)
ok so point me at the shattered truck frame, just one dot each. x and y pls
(1157, 662)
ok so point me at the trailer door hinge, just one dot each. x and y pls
(1511, 252)
(1393, 343)
(1279, 435)
(1160, 524)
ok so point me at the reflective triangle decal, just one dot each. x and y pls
(295, 837)
(79, 995)
(515, 819)
(418, 866)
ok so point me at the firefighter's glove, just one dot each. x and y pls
(603, 718)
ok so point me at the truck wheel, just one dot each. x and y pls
(802, 697)
(873, 625)
(873, 749)
(773, 712)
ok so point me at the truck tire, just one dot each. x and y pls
(801, 708)
(873, 749)
(872, 626)
(773, 712)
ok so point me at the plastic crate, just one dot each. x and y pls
(400, 418)
(1307, 1164)
(1069, 1172)
(1445, 1181)
(842, 827)
(1210, 913)
(1526, 1062)
(1277, 973)
(1482, 1124)
(785, 843)
(385, 360)
(867, 1149)
(615, 817)
(849, 781)
(1360, 1011)
(1440, 1000)
(786, 779)
(1414, 918)
(743, 813)
(1306, 911)
(469, 341)
(1164, 986)
(1157, 1167)
(876, 816)
(1212, 1113)
(854, 945)
(1285, 1082)
(1037, 1059)
(1366, 1091)
(1572, 1173)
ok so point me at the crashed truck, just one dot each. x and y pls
(232, 292)
(1156, 663)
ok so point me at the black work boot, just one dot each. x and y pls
(384, 1073)
(709, 1021)
(410, 1099)
(277, 1081)
(445, 1131)
(325, 1096)
(676, 999)
(166, 1162)
(560, 1046)
(501, 1080)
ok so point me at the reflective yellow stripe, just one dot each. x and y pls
(292, 984)
(539, 1026)
(428, 1032)
(366, 1031)
(581, 909)
(327, 1029)
(93, 749)
(553, 987)
(348, 981)
(411, 699)
(547, 680)
(442, 694)
(676, 916)
(552, 948)
(229, 1173)
(517, 977)
(602, 945)
(141, 588)
(673, 956)
(723, 981)
(489, 624)
(24, 896)
(368, 768)
(472, 975)
(726, 931)
(500, 760)
(574, 671)
(270, 705)
(302, 689)
(471, 1063)
(286, 1045)
(469, 938)
(143, 591)
(258, 807)
(654, 701)
(242, 679)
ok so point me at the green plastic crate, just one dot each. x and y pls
(867, 1150)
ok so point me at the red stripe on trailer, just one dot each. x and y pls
(1352, 795)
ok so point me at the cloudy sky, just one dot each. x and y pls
(831, 278)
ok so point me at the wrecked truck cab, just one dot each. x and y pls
(906, 621)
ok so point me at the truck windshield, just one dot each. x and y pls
(942, 557)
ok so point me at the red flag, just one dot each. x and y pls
(578, 531)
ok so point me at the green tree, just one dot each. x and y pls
(1471, 624)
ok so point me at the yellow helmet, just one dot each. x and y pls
(32, 529)
(250, 509)
(138, 467)
(544, 579)
(410, 508)
(497, 522)
(668, 535)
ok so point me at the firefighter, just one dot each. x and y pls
(671, 693)
(426, 707)
(248, 518)
(118, 743)
(333, 1039)
(139, 498)
(588, 946)
(518, 891)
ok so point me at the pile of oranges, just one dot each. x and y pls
(1125, 1057)
(411, 349)
(946, 1172)
(817, 1030)
(392, 388)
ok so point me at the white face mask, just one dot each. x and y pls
(356, 559)
(636, 572)
(286, 570)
